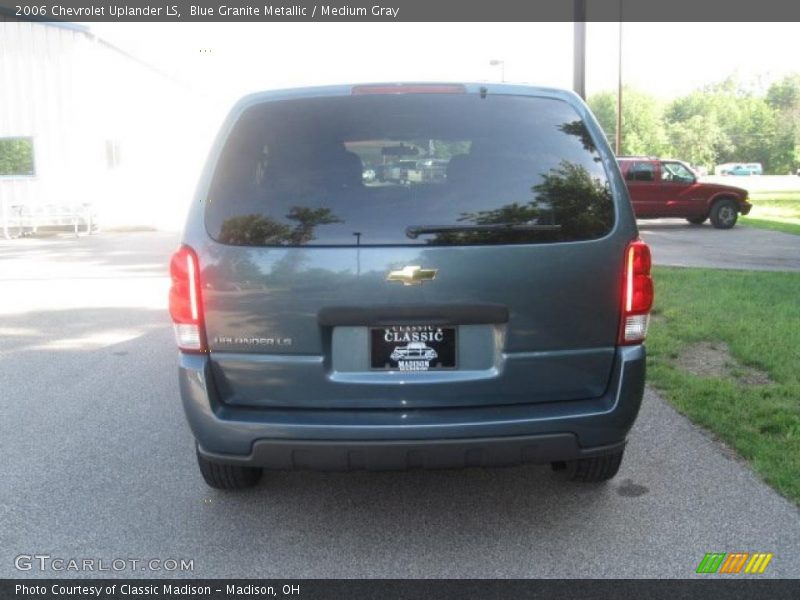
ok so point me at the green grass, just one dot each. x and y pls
(793, 228)
(779, 211)
(757, 315)
(780, 196)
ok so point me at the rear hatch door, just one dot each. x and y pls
(327, 287)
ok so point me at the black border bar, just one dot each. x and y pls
(407, 589)
(375, 11)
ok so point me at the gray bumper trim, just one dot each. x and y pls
(335, 455)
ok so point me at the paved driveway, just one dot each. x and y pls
(675, 242)
(98, 463)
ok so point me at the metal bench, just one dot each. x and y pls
(32, 217)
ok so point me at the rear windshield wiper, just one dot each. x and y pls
(414, 231)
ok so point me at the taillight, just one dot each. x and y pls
(637, 294)
(185, 301)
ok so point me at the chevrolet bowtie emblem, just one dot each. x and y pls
(412, 275)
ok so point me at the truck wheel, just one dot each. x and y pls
(227, 477)
(724, 214)
(593, 469)
(697, 220)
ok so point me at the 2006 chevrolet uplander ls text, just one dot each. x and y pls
(490, 313)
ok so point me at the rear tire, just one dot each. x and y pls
(594, 469)
(221, 476)
(697, 220)
(724, 214)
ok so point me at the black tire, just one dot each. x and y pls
(594, 469)
(724, 214)
(227, 477)
(697, 220)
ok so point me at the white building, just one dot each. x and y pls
(105, 130)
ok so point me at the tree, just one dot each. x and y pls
(785, 94)
(604, 107)
(784, 97)
(16, 156)
(698, 139)
(728, 122)
(758, 136)
(569, 203)
(260, 230)
(643, 129)
(307, 220)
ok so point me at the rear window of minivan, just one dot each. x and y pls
(409, 169)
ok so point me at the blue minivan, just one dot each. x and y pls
(494, 315)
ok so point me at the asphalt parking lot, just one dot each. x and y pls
(675, 242)
(98, 461)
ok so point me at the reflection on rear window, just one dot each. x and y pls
(409, 169)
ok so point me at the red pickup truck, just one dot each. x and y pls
(661, 188)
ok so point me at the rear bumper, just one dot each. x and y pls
(404, 454)
(440, 437)
(744, 207)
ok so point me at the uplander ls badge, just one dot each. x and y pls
(412, 275)
(253, 341)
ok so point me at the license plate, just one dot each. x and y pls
(412, 348)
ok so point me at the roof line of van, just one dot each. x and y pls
(346, 89)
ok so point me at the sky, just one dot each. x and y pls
(226, 60)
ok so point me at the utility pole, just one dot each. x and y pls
(579, 54)
(618, 132)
